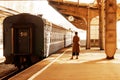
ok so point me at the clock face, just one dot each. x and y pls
(71, 18)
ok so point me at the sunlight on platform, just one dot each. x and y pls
(89, 56)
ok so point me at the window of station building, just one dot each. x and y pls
(94, 36)
(94, 28)
(94, 31)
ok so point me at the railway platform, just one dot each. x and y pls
(91, 65)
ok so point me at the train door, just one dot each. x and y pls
(21, 40)
(22, 43)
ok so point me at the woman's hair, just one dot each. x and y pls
(76, 33)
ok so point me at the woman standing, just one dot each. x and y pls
(75, 48)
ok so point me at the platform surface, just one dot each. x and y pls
(91, 65)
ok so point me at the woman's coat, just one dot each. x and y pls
(76, 45)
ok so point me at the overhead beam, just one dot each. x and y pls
(4, 12)
(75, 10)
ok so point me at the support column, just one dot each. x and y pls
(88, 31)
(110, 28)
(101, 24)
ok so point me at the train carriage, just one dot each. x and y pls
(29, 38)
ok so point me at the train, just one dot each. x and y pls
(29, 38)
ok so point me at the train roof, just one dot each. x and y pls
(23, 18)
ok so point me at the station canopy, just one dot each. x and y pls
(37, 7)
(82, 1)
(87, 1)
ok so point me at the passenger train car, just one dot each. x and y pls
(28, 38)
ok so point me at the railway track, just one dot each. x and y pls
(7, 76)
(8, 70)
